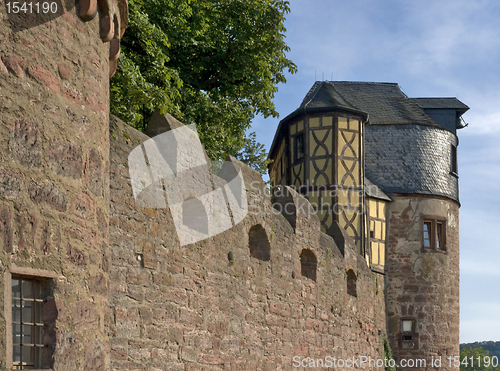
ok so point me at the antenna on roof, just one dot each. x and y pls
(323, 78)
(332, 76)
(314, 75)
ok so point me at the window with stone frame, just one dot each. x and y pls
(433, 233)
(407, 329)
(32, 324)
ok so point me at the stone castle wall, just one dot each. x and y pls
(123, 293)
(192, 308)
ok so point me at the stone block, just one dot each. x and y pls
(15, 64)
(45, 77)
(25, 145)
(95, 176)
(50, 194)
(10, 184)
(84, 314)
(66, 159)
(83, 206)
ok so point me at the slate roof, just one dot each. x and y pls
(410, 159)
(403, 151)
(374, 191)
(441, 103)
(384, 102)
(325, 95)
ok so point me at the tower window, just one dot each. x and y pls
(427, 234)
(407, 329)
(299, 146)
(454, 164)
(434, 234)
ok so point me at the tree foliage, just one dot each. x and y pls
(213, 63)
(474, 358)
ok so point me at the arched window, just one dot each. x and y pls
(308, 264)
(258, 243)
(351, 283)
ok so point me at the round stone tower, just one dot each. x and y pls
(56, 58)
(415, 163)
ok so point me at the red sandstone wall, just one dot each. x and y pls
(54, 184)
(190, 308)
(423, 285)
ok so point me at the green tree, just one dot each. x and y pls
(213, 63)
(477, 359)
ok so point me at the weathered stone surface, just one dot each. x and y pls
(25, 143)
(15, 64)
(76, 256)
(64, 71)
(45, 77)
(50, 140)
(83, 206)
(93, 358)
(49, 194)
(66, 159)
(6, 230)
(10, 184)
(84, 314)
(95, 173)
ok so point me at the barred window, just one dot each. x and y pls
(29, 351)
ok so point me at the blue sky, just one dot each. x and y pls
(445, 48)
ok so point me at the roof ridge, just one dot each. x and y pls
(315, 93)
